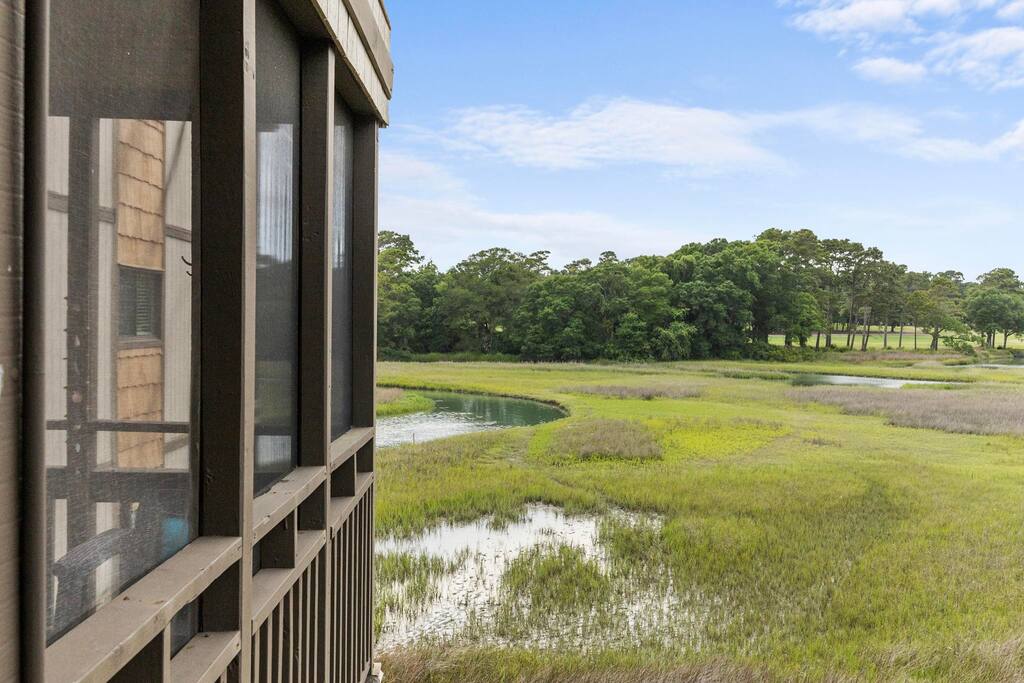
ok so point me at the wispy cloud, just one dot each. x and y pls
(990, 59)
(616, 131)
(891, 71)
(954, 150)
(933, 37)
(427, 199)
(696, 142)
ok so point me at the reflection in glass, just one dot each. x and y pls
(277, 316)
(341, 276)
(118, 298)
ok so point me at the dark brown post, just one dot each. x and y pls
(227, 272)
(32, 544)
(364, 271)
(315, 309)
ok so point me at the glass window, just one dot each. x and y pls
(118, 247)
(341, 276)
(140, 294)
(278, 81)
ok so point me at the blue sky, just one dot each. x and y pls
(579, 126)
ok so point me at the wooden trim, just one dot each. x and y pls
(283, 498)
(373, 38)
(341, 508)
(270, 585)
(346, 445)
(101, 645)
(227, 276)
(318, 78)
(364, 272)
(56, 201)
(315, 249)
(205, 657)
(181, 234)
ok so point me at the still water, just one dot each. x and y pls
(455, 414)
(809, 380)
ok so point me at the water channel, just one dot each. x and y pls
(455, 413)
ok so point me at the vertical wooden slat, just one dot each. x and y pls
(278, 639)
(286, 638)
(349, 602)
(226, 267)
(255, 654)
(336, 596)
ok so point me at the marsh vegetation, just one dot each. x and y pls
(750, 531)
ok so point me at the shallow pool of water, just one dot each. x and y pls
(464, 602)
(809, 380)
(456, 413)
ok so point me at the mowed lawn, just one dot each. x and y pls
(801, 542)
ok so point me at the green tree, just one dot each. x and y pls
(477, 299)
(937, 308)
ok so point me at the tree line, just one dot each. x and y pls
(719, 299)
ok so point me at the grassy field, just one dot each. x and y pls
(392, 401)
(794, 533)
(876, 341)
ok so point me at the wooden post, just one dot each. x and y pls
(226, 267)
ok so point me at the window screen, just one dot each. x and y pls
(277, 307)
(341, 276)
(118, 243)
(140, 303)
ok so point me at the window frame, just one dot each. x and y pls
(134, 341)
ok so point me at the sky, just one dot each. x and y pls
(637, 126)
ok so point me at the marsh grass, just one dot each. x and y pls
(604, 439)
(389, 394)
(638, 392)
(406, 584)
(985, 412)
(554, 577)
(392, 401)
(502, 665)
(804, 543)
(715, 438)
(633, 544)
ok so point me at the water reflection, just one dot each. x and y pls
(810, 380)
(455, 414)
(466, 601)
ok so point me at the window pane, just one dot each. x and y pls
(341, 276)
(277, 310)
(140, 305)
(118, 248)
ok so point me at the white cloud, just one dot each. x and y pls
(954, 150)
(930, 32)
(1012, 11)
(687, 140)
(431, 203)
(413, 174)
(891, 71)
(620, 131)
(857, 17)
(991, 59)
(847, 123)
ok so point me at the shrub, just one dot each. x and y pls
(645, 393)
(605, 439)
